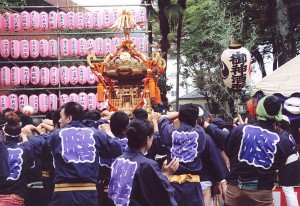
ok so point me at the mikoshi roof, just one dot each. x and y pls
(285, 80)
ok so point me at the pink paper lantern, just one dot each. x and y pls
(34, 102)
(82, 100)
(23, 101)
(35, 20)
(107, 18)
(90, 46)
(90, 76)
(53, 48)
(79, 20)
(25, 75)
(142, 41)
(53, 19)
(24, 48)
(62, 20)
(2, 22)
(26, 20)
(73, 47)
(52, 101)
(44, 48)
(89, 20)
(73, 75)
(34, 48)
(15, 49)
(64, 47)
(142, 17)
(99, 47)
(115, 42)
(73, 97)
(92, 101)
(43, 103)
(82, 75)
(3, 102)
(97, 20)
(16, 18)
(44, 21)
(133, 39)
(107, 45)
(15, 73)
(5, 76)
(134, 14)
(54, 76)
(5, 48)
(35, 75)
(8, 21)
(64, 75)
(44, 76)
(63, 99)
(13, 102)
(82, 46)
(71, 16)
(115, 14)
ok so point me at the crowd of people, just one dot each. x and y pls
(183, 158)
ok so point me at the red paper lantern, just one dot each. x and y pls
(24, 48)
(26, 20)
(43, 103)
(53, 19)
(25, 75)
(44, 21)
(15, 49)
(236, 70)
(34, 102)
(15, 73)
(35, 75)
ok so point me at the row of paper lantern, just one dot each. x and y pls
(66, 21)
(44, 76)
(43, 102)
(68, 47)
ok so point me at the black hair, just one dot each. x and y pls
(93, 115)
(118, 123)
(12, 129)
(55, 118)
(7, 110)
(140, 113)
(73, 109)
(25, 120)
(188, 113)
(138, 131)
(272, 105)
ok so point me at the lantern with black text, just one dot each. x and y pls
(13, 102)
(26, 20)
(236, 62)
(15, 73)
(34, 102)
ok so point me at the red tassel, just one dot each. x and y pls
(100, 94)
(152, 88)
(157, 96)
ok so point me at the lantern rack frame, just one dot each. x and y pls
(59, 60)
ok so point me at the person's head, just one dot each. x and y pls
(140, 113)
(202, 116)
(7, 110)
(12, 128)
(139, 134)
(71, 111)
(93, 115)
(269, 109)
(118, 123)
(56, 118)
(188, 113)
(25, 119)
